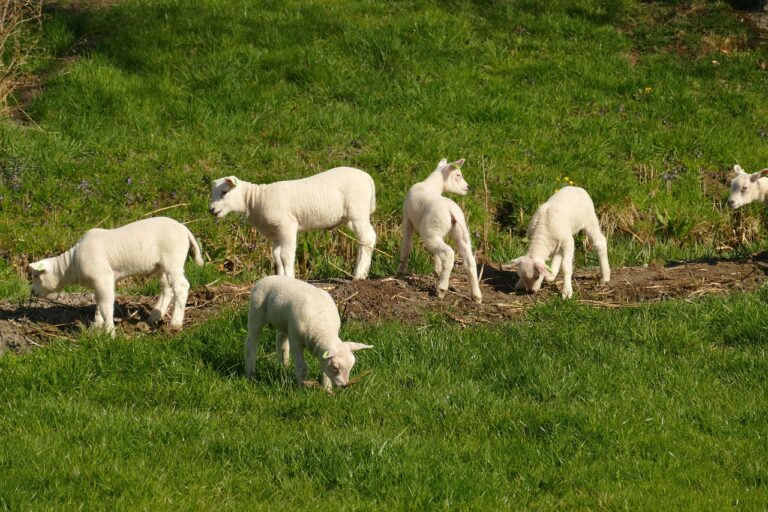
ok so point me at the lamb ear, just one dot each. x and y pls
(232, 181)
(738, 170)
(543, 268)
(457, 164)
(756, 176)
(37, 267)
(354, 346)
(442, 162)
(516, 262)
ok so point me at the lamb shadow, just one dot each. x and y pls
(228, 364)
(760, 260)
(71, 318)
(497, 278)
(64, 317)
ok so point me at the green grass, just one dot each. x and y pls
(163, 96)
(571, 407)
(645, 104)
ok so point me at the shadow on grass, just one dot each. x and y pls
(760, 261)
(499, 279)
(46, 319)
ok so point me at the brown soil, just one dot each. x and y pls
(409, 300)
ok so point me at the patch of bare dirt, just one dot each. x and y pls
(34, 323)
(410, 300)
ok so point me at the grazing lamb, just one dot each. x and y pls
(340, 196)
(104, 256)
(425, 210)
(551, 230)
(305, 317)
(746, 188)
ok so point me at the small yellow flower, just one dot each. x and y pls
(648, 90)
(566, 178)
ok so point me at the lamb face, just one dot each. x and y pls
(744, 187)
(338, 364)
(453, 181)
(226, 197)
(531, 272)
(44, 279)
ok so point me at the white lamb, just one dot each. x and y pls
(104, 256)
(425, 210)
(280, 210)
(305, 317)
(746, 188)
(551, 231)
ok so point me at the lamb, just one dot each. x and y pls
(104, 256)
(746, 188)
(425, 210)
(305, 317)
(280, 210)
(566, 212)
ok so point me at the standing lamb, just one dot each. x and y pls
(104, 256)
(304, 317)
(551, 230)
(426, 210)
(280, 210)
(746, 188)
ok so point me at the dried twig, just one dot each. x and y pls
(164, 208)
(486, 209)
(361, 243)
(340, 269)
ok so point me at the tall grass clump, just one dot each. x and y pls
(19, 24)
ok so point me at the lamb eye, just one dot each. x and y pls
(223, 193)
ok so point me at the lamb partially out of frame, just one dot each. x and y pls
(551, 231)
(104, 256)
(305, 317)
(747, 188)
(433, 216)
(280, 210)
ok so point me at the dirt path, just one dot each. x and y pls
(408, 300)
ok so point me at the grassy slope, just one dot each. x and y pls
(619, 410)
(165, 96)
(659, 406)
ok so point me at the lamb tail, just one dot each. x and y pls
(196, 252)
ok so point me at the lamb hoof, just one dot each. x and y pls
(441, 293)
(477, 299)
(567, 294)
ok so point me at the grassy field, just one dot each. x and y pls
(646, 104)
(571, 408)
